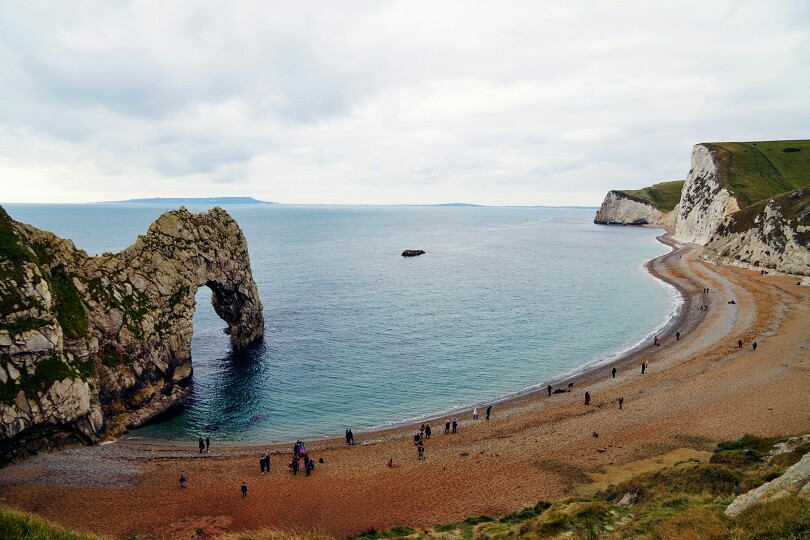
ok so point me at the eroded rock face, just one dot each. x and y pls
(795, 481)
(773, 235)
(91, 346)
(617, 208)
(704, 200)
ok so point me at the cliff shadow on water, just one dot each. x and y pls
(210, 407)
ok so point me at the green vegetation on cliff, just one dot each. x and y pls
(69, 309)
(794, 205)
(754, 171)
(49, 370)
(664, 195)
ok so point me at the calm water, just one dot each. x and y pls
(504, 299)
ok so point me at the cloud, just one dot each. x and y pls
(386, 102)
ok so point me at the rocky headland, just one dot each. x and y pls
(748, 204)
(93, 346)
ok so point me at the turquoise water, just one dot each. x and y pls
(504, 299)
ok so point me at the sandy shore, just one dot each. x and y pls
(697, 390)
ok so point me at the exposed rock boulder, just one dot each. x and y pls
(704, 199)
(795, 481)
(90, 346)
(412, 252)
(790, 445)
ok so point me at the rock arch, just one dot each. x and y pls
(114, 331)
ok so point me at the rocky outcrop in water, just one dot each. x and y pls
(91, 346)
(413, 252)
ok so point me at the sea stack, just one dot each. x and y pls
(93, 346)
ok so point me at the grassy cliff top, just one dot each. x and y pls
(754, 171)
(664, 196)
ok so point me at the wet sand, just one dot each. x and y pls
(696, 391)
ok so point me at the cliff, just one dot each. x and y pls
(621, 207)
(732, 201)
(773, 234)
(91, 346)
(704, 199)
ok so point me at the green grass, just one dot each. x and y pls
(16, 525)
(664, 196)
(755, 171)
(395, 532)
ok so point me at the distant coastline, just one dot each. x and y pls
(191, 200)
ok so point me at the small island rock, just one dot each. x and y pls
(413, 252)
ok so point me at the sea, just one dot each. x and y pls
(503, 300)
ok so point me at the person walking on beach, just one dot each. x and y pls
(655, 340)
(309, 466)
(447, 427)
(244, 490)
(422, 432)
(261, 463)
(427, 431)
(643, 367)
(754, 345)
(420, 451)
(739, 344)
(182, 480)
(475, 413)
(621, 402)
(587, 398)
(295, 465)
(489, 410)
(549, 390)
(613, 371)
(455, 424)
(207, 444)
(390, 462)
(201, 442)
(677, 336)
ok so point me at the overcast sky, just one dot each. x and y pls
(535, 103)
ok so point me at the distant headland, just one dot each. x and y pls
(192, 200)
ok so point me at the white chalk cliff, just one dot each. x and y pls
(770, 234)
(704, 200)
(618, 208)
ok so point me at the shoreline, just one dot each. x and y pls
(663, 330)
(697, 391)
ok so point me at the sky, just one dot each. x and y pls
(497, 103)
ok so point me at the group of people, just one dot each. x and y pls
(475, 413)
(300, 455)
(204, 444)
(264, 462)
